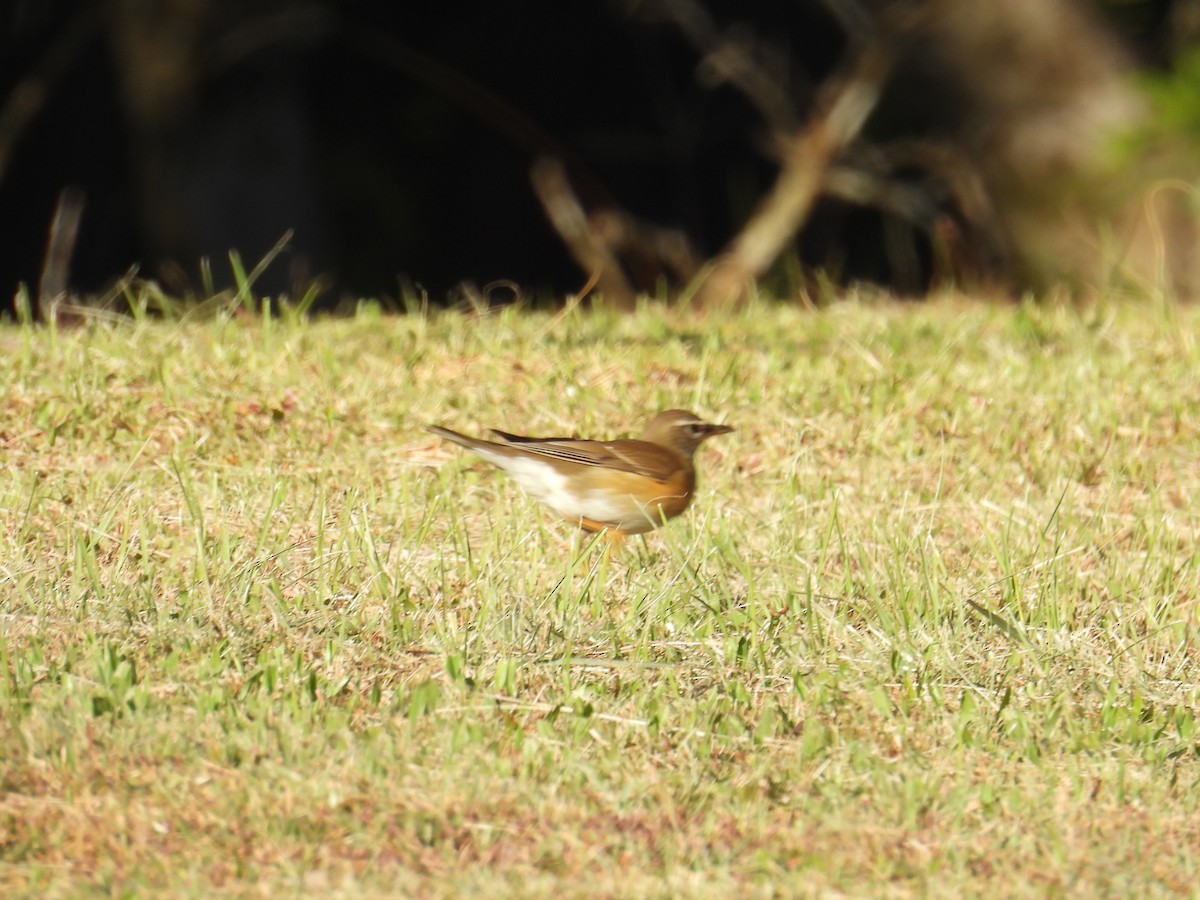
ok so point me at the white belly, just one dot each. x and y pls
(553, 489)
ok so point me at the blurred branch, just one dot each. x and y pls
(608, 241)
(298, 24)
(585, 244)
(644, 246)
(852, 15)
(474, 98)
(731, 56)
(29, 95)
(841, 111)
(862, 188)
(60, 247)
(165, 52)
(951, 203)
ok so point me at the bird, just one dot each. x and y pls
(620, 487)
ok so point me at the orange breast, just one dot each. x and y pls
(635, 504)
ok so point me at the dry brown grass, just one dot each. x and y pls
(930, 627)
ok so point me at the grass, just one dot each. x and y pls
(930, 627)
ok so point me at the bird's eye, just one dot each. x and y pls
(697, 429)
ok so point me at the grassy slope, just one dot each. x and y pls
(931, 625)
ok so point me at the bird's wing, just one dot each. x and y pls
(522, 439)
(638, 457)
(451, 435)
(645, 458)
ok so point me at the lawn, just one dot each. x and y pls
(929, 628)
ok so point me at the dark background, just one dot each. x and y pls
(396, 138)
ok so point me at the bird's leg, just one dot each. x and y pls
(613, 539)
(614, 542)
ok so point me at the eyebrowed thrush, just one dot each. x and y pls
(622, 487)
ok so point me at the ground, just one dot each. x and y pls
(930, 627)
